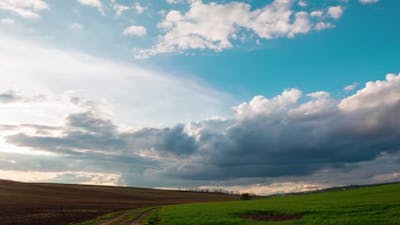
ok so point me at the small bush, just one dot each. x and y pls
(245, 196)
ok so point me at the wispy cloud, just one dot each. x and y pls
(351, 87)
(28, 9)
(368, 1)
(149, 95)
(7, 21)
(76, 26)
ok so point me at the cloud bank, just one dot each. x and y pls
(290, 135)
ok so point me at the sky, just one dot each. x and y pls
(251, 96)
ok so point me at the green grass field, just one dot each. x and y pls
(378, 205)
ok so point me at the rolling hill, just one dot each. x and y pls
(43, 204)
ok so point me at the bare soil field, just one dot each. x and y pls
(59, 204)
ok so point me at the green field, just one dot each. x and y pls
(378, 205)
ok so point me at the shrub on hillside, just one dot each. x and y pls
(245, 196)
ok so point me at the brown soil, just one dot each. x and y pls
(268, 216)
(62, 204)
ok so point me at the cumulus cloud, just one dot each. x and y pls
(28, 9)
(195, 29)
(135, 31)
(261, 105)
(290, 135)
(374, 95)
(93, 3)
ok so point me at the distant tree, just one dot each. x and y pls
(245, 196)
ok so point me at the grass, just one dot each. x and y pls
(152, 218)
(137, 213)
(100, 219)
(378, 205)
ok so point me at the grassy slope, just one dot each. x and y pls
(379, 205)
(30, 203)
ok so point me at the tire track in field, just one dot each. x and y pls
(139, 220)
(116, 220)
(123, 217)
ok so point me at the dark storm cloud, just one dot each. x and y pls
(257, 147)
(281, 137)
(172, 140)
(85, 133)
(289, 135)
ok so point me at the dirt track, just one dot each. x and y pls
(139, 220)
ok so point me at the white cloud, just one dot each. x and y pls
(174, 1)
(196, 29)
(79, 177)
(7, 21)
(388, 177)
(135, 31)
(75, 26)
(93, 3)
(323, 26)
(321, 103)
(27, 9)
(302, 3)
(260, 105)
(119, 9)
(335, 11)
(139, 8)
(316, 13)
(374, 95)
(368, 1)
(351, 87)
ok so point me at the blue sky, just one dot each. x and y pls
(204, 93)
(329, 59)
